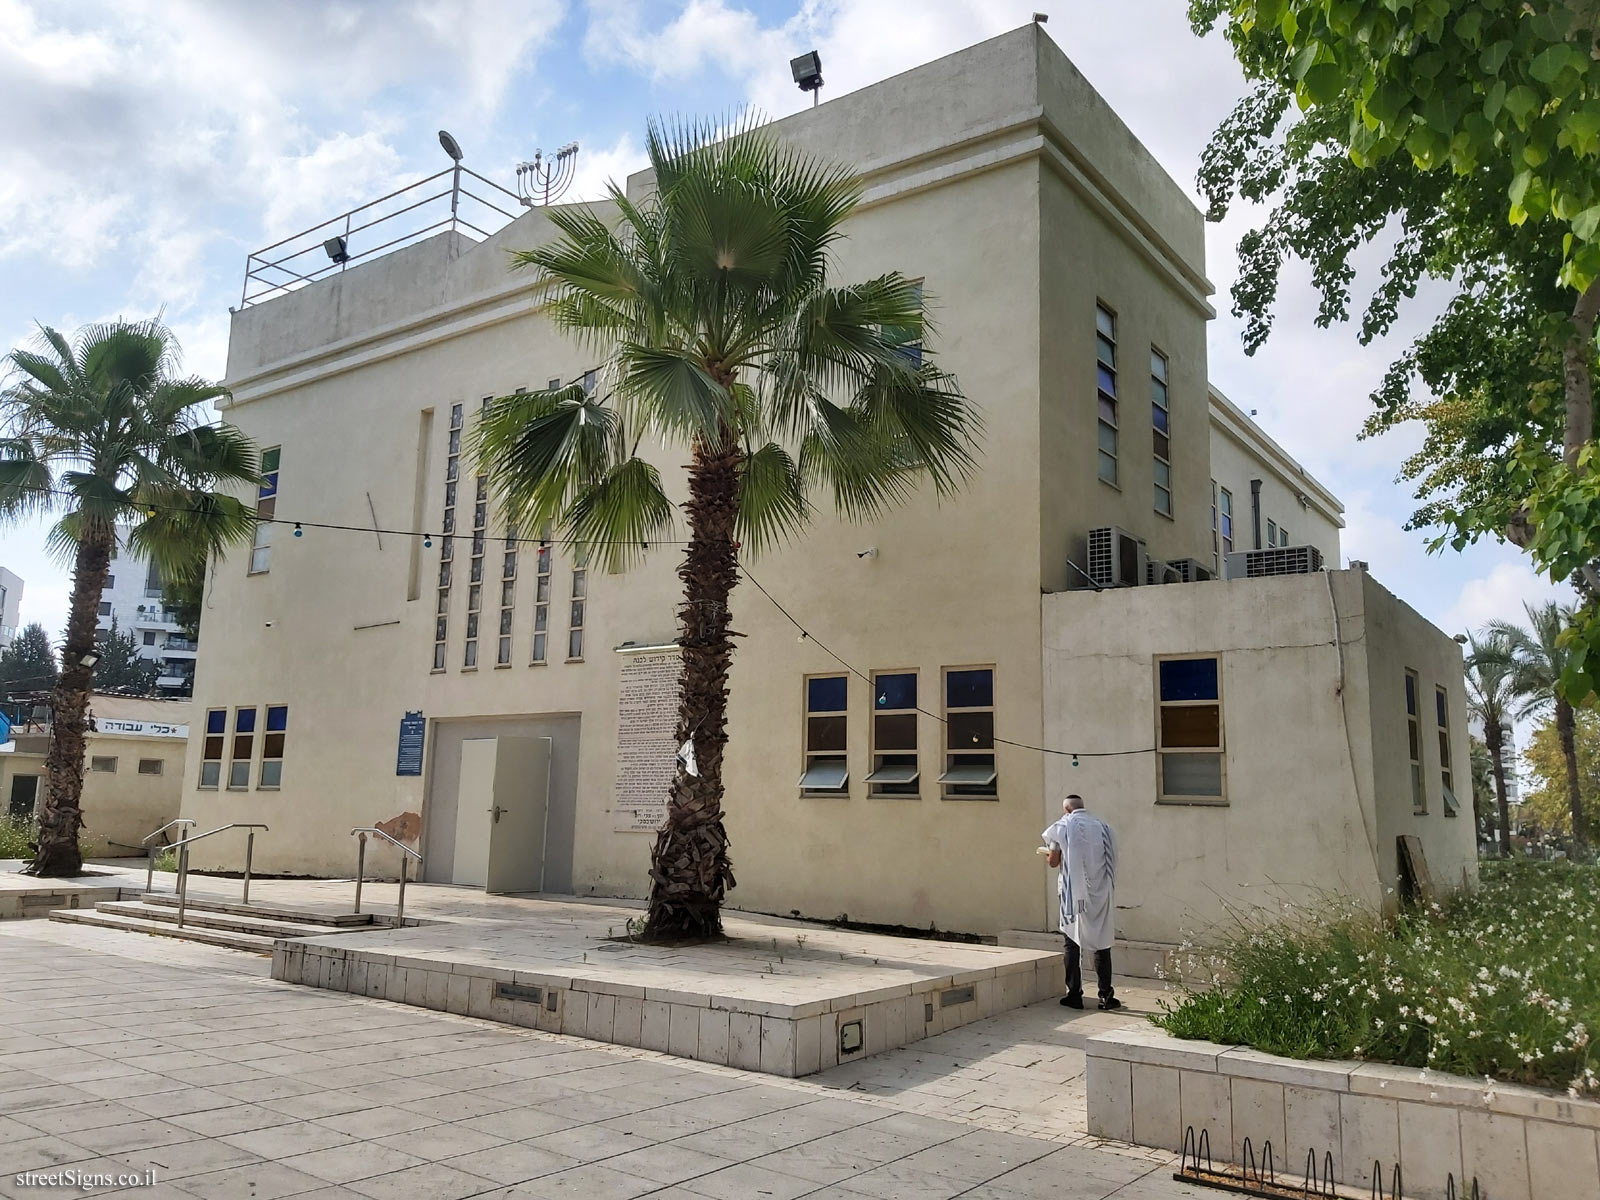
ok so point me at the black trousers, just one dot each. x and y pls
(1102, 970)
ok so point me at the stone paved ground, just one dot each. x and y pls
(120, 1053)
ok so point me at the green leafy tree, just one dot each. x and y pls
(102, 429)
(184, 598)
(1482, 767)
(1491, 696)
(29, 663)
(721, 335)
(1467, 132)
(1546, 799)
(1541, 655)
(120, 668)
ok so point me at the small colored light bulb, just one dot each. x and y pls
(298, 532)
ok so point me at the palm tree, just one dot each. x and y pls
(1540, 658)
(1491, 696)
(711, 308)
(103, 430)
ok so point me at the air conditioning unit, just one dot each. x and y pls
(1275, 560)
(1116, 558)
(1177, 570)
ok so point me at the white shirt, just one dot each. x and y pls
(1088, 874)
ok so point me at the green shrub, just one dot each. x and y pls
(167, 860)
(1503, 981)
(15, 836)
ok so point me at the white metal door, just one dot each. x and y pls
(475, 792)
(519, 811)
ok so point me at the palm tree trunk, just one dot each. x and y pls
(689, 867)
(1496, 743)
(61, 817)
(1566, 730)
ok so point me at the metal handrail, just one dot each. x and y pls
(150, 859)
(361, 866)
(183, 860)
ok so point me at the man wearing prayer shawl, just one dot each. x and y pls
(1085, 849)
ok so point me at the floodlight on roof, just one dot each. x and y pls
(451, 146)
(337, 249)
(807, 72)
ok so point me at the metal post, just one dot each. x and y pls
(455, 193)
(400, 904)
(249, 853)
(361, 866)
(183, 882)
(149, 870)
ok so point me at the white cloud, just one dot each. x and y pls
(1500, 595)
(596, 168)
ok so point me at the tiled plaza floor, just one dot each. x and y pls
(121, 1053)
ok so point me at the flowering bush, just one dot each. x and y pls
(1502, 982)
(14, 838)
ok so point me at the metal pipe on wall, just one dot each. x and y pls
(1255, 512)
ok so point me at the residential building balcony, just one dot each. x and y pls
(156, 618)
(180, 647)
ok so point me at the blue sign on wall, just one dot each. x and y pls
(409, 760)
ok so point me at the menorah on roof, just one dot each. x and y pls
(543, 180)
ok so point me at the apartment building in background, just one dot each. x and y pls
(133, 598)
(1138, 596)
(10, 606)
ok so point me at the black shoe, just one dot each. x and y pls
(1107, 1005)
(1072, 1001)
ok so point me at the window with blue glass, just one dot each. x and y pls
(895, 770)
(970, 771)
(211, 749)
(1161, 431)
(244, 746)
(272, 745)
(1105, 351)
(826, 772)
(266, 511)
(1189, 741)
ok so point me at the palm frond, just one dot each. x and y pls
(672, 390)
(26, 483)
(541, 450)
(772, 499)
(621, 513)
(181, 529)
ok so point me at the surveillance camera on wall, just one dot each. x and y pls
(869, 552)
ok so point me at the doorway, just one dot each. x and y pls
(24, 796)
(502, 806)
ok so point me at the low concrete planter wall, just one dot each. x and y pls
(1521, 1143)
(16, 903)
(735, 1031)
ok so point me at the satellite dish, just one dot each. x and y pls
(451, 146)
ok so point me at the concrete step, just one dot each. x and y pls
(268, 912)
(209, 919)
(189, 933)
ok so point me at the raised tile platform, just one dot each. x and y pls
(26, 896)
(778, 997)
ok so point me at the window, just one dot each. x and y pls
(554, 384)
(111, 581)
(508, 597)
(894, 735)
(244, 745)
(1419, 796)
(105, 608)
(1161, 431)
(1283, 536)
(969, 764)
(1105, 343)
(211, 751)
(152, 581)
(105, 764)
(272, 745)
(150, 766)
(1189, 742)
(1216, 544)
(541, 598)
(826, 772)
(149, 638)
(580, 592)
(1441, 706)
(266, 509)
(907, 339)
(1272, 532)
(1225, 506)
(480, 522)
(452, 470)
(589, 379)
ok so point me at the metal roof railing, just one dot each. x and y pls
(463, 201)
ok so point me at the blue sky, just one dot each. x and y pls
(151, 144)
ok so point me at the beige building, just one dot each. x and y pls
(351, 679)
(133, 773)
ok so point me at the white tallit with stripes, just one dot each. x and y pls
(1088, 877)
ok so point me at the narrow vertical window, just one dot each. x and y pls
(1216, 543)
(894, 735)
(1272, 532)
(1189, 744)
(541, 599)
(266, 510)
(908, 338)
(970, 772)
(1283, 536)
(211, 748)
(825, 772)
(480, 523)
(508, 597)
(1161, 431)
(452, 470)
(1225, 507)
(272, 745)
(1419, 795)
(1447, 780)
(244, 746)
(580, 599)
(1105, 349)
